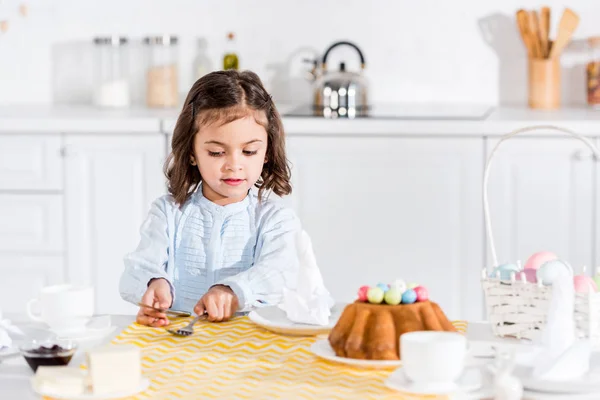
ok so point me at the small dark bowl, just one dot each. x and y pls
(47, 352)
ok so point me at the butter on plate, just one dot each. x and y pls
(114, 368)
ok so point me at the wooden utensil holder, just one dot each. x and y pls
(544, 83)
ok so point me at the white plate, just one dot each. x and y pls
(275, 320)
(144, 383)
(322, 349)
(586, 384)
(470, 381)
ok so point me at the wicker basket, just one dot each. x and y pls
(517, 308)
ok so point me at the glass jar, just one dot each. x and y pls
(593, 72)
(111, 78)
(161, 75)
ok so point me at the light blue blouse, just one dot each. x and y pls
(249, 246)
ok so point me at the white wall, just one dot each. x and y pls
(420, 51)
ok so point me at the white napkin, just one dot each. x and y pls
(310, 302)
(561, 355)
(5, 328)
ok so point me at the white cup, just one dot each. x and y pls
(65, 308)
(432, 357)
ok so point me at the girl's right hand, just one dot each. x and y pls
(158, 295)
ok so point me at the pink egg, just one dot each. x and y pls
(584, 284)
(537, 259)
(530, 275)
(362, 293)
(422, 294)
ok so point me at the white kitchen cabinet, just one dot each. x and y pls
(110, 184)
(30, 162)
(379, 209)
(541, 198)
(31, 223)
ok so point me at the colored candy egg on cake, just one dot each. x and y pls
(422, 294)
(393, 296)
(529, 275)
(409, 296)
(551, 270)
(362, 293)
(375, 295)
(383, 287)
(538, 259)
(400, 285)
(505, 271)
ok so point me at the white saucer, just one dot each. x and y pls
(470, 381)
(322, 348)
(144, 384)
(275, 320)
(589, 383)
(97, 328)
(88, 334)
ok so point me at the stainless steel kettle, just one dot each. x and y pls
(341, 93)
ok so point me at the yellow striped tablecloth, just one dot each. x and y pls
(238, 360)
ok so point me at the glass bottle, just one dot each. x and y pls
(202, 63)
(230, 59)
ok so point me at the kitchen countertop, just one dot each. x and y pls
(41, 119)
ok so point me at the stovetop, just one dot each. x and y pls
(404, 111)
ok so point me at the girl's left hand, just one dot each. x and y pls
(220, 303)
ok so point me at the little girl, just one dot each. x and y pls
(212, 245)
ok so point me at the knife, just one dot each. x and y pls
(174, 313)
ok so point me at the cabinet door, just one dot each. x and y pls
(380, 209)
(31, 162)
(31, 223)
(541, 198)
(110, 183)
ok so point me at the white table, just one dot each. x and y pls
(15, 374)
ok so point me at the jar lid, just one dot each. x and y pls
(111, 40)
(161, 40)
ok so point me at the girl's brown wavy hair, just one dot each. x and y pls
(221, 97)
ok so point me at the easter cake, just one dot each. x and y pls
(370, 328)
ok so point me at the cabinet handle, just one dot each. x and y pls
(583, 155)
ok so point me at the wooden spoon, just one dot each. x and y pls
(566, 27)
(534, 33)
(545, 30)
(523, 24)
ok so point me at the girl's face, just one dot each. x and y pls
(230, 158)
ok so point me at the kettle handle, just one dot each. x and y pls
(360, 54)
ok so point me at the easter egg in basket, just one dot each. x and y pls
(549, 271)
(584, 284)
(529, 275)
(537, 259)
(505, 271)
